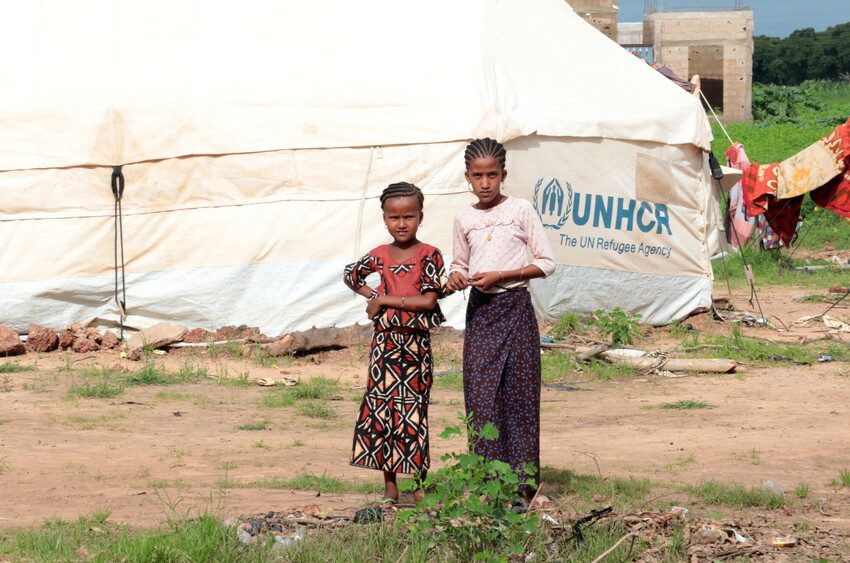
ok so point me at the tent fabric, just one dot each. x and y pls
(253, 165)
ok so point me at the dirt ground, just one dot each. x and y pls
(156, 452)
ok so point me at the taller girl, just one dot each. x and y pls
(501, 350)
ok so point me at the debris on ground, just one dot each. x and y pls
(156, 336)
(833, 325)
(10, 342)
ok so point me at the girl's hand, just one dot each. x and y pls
(457, 282)
(374, 307)
(486, 280)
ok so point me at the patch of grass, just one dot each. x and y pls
(190, 373)
(768, 269)
(687, 404)
(735, 495)
(4, 465)
(241, 380)
(259, 425)
(321, 483)
(626, 492)
(278, 401)
(554, 364)
(319, 388)
(447, 356)
(42, 385)
(843, 479)
(802, 491)
(92, 537)
(610, 372)
(5, 421)
(14, 367)
(150, 374)
(233, 349)
(739, 347)
(753, 456)
(262, 445)
(171, 396)
(97, 384)
(297, 443)
(569, 323)
(452, 381)
(681, 462)
(166, 484)
(315, 410)
(227, 465)
(261, 358)
(6, 384)
(90, 423)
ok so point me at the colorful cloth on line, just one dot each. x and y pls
(501, 376)
(739, 226)
(776, 190)
(391, 433)
(425, 271)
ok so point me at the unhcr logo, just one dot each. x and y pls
(556, 206)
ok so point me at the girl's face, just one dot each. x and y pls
(486, 176)
(402, 217)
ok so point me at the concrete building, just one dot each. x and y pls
(601, 14)
(716, 44)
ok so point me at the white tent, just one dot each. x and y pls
(256, 136)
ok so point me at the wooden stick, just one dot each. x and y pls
(611, 549)
(673, 364)
(587, 353)
(557, 345)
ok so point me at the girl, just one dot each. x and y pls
(501, 347)
(391, 433)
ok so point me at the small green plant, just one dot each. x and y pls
(452, 381)
(802, 490)
(14, 367)
(150, 374)
(262, 445)
(261, 358)
(621, 328)
(297, 443)
(737, 496)
(468, 505)
(6, 384)
(4, 465)
(843, 479)
(316, 410)
(100, 388)
(259, 425)
(277, 401)
(753, 456)
(569, 323)
(687, 404)
(233, 349)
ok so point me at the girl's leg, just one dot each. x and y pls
(390, 487)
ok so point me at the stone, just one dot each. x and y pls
(230, 332)
(156, 336)
(41, 339)
(66, 338)
(245, 537)
(109, 340)
(93, 334)
(84, 345)
(197, 335)
(10, 342)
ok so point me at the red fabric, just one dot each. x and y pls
(835, 195)
(759, 185)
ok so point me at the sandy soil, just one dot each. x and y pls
(158, 452)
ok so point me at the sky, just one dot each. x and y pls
(772, 17)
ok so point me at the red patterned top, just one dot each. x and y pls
(425, 271)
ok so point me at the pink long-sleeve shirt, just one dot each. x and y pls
(499, 239)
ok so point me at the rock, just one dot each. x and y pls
(10, 342)
(197, 335)
(230, 332)
(280, 347)
(83, 345)
(109, 340)
(94, 335)
(41, 339)
(157, 336)
(245, 536)
(66, 339)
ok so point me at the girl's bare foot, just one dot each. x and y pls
(418, 495)
(390, 493)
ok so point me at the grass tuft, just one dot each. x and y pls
(736, 496)
(687, 404)
(14, 367)
(316, 410)
(259, 425)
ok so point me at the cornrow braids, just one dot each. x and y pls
(403, 189)
(485, 148)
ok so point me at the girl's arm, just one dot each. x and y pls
(355, 275)
(459, 270)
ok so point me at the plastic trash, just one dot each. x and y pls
(825, 358)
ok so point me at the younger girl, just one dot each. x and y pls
(391, 433)
(501, 347)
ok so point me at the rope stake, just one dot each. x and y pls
(117, 185)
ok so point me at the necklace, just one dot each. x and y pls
(495, 223)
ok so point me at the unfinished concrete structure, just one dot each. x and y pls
(717, 45)
(601, 14)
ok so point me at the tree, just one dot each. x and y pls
(804, 55)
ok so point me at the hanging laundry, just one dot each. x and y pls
(738, 224)
(835, 195)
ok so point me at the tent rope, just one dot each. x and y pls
(720, 123)
(118, 223)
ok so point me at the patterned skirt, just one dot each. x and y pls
(391, 433)
(501, 376)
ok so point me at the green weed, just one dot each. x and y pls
(610, 372)
(740, 347)
(569, 323)
(262, 445)
(555, 364)
(150, 374)
(802, 490)
(626, 492)
(452, 381)
(753, 456)
(277, 401)
(687, 404)
(171, 396)
(736, 496)
(621, 328)
(259, 425)
(318, 388)
(315, 410)
(6, 384)
(101, 388)
(317, 483)
(14, 367)
(843, 479)
(297, 443)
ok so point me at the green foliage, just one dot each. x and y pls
(468, 506)
(843, 478)
(569, 323)
(803, 55)
(315, 410)
(739, 347)
(14, 367)
(770, 267)
(97, 384)
(616, 324)
(737, 496)
(319, 388)
(259, 425)
(687, 404)
(782, 104)
(452, 381)
(319, 483)
(802, 490)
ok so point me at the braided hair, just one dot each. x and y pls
(485, 148)
(403, 189)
